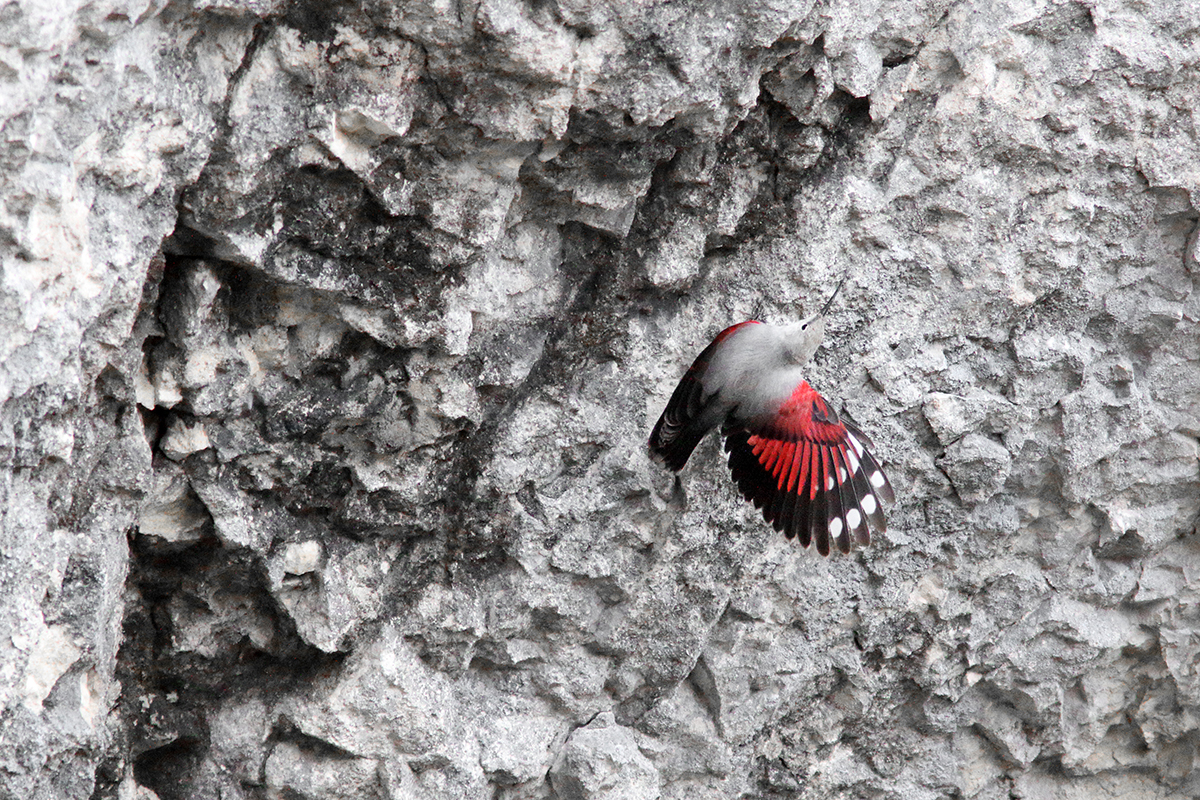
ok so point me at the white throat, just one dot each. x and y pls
(802, 339)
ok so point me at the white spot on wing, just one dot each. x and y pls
(829, 483)
(853, 518)
(877, 479)
(868, 504)
(835, 527)
(858, 448)
(852, 460)
(842, 474)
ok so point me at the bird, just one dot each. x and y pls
(809, 469)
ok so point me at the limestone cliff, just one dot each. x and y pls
(331, 335)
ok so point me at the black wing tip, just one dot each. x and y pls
(823, 520)
(852, 425)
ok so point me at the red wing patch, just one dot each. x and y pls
(810, 472)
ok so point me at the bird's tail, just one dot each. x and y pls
(689, 414)
(672, 442)
(683, 423)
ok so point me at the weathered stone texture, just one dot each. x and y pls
(330, 337)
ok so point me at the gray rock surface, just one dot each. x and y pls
(330, 338)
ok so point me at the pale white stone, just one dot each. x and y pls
(183, 438)
(300, 558)
(52, 656)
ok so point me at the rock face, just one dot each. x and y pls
(330, 338)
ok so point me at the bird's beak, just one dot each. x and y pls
(829, 302)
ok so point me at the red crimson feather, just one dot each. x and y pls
(809, 471)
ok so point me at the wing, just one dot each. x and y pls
(683, 423)
(810, 472)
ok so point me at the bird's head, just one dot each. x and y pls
(805, 336)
